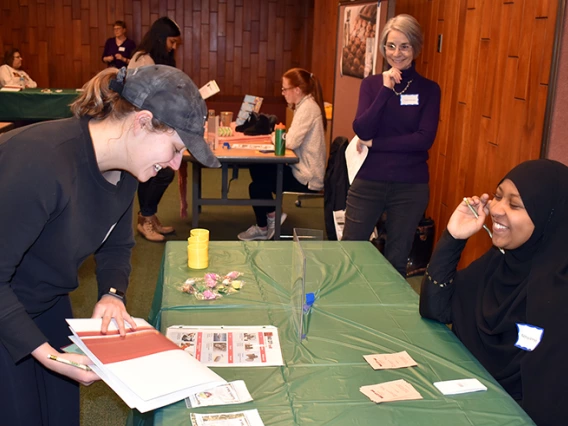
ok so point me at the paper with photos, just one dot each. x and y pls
(397, 390)
(229, 346)
(238, 418)
(390, 361)
(232, 393)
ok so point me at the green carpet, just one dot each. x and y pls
(99, 405)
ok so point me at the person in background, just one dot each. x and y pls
(11, 73)
(398, 112)
(306, 137)
(508, 308)
(73, 199)
(118, 49)
(158, 46)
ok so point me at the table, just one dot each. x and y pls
(33, 105)
(5, 126)
(238, 158)
(363, 306)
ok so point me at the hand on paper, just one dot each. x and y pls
(42, 352)
(360, 144)
(392, 77)
(110, 307)
(463, 223)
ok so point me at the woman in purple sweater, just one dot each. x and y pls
(398, 113)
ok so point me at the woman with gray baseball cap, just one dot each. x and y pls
(68, 187)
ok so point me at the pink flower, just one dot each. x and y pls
(233, 274)
(208, 295)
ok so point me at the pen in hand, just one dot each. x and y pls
(484, 226)
(72, 363)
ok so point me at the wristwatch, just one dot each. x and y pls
(116, 293)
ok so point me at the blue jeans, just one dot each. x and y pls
(150, 192)
(404, 203)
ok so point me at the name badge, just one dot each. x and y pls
(121, 49)
(529, 337)
(409, 99)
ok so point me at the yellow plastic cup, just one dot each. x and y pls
(197, 258)
(200, 234)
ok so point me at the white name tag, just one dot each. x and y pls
(121, 49)
(409, 99)
(529, 337)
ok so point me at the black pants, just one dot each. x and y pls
(404, 203)
(263, 185)
(30, 394)
(150, 192)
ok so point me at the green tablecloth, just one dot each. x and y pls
(362, 307)
(33, 105)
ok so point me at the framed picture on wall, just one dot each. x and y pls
(359, 41)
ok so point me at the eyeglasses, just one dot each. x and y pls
(405, 48)
(118, 28)
(285, 89)
(17, 57)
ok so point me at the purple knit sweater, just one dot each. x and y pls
(401, 134)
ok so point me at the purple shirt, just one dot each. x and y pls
(125, 49)
(401, 134)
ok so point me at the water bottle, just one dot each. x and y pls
(22, 82)
(280, 139)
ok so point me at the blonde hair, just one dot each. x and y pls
(100, 102)
(409, 26)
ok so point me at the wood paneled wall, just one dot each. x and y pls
(494, 72)
(324, 41)
(245, 45)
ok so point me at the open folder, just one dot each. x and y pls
(144, 368)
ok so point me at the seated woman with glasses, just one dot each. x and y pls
(306, 137)
(11, 74)
(398, 111)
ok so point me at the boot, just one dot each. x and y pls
(146, 229)
(159, 227)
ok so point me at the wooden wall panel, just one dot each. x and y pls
(493, 71)
(245, 45)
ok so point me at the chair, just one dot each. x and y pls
(303, 195)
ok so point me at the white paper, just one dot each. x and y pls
(455, 387)
(210, 89)
(354, 159)
(253, 146)
(153, 377)
(214, 346)
(232, 393)
(390, 361)
(237, 418)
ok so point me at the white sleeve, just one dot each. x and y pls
(29, 82)
(5, 75)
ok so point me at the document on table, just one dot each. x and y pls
(220, 346)
(390, 361)
(455, 387)
(397, 390)
(232, 393)
(254, 146)
(144, 368)
(238, 418)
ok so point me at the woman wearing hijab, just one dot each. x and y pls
(509, 306)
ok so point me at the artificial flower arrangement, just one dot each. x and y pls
(213, 286)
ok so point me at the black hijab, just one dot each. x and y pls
(528, 285)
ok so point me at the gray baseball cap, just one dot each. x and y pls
(171, 96)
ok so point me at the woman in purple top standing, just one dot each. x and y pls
(118, 49)
(398, 114)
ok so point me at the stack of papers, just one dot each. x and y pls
(397, 390)
(456, 387)
(144, 368)
(10, 88)
(390, 361)
(232, 393)
(238, 418)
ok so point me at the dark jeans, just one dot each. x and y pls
(263, 185)
(150, 192)
(404, 203)
(30, 394)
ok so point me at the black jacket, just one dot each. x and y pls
(336, 184)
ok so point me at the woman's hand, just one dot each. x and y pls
(392, 77)
(41, 353)
(110, 307)
(108, 58)
(360, 144)
(463, 223)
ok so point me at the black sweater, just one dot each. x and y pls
(57, 209)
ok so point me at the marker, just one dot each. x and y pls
(484, 226)
(72, 363)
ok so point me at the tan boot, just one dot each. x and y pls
(159, 227)
(146, 229)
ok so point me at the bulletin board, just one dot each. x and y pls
(359, 26)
